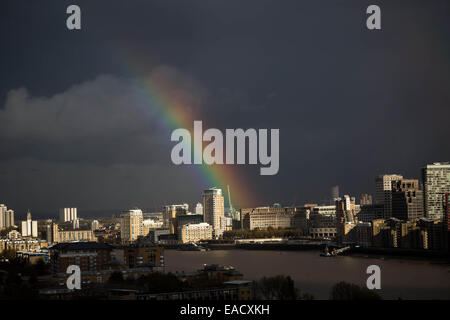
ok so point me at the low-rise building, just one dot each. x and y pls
(265, 217)
(195, 232)
(30, 245)
(89, 256)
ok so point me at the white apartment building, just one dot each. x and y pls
(195, 232)
(67, 214)
(29, 227)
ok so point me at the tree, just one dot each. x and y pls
(116, 278)
(278, 288)
(349, 291)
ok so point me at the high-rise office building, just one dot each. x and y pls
(383, 194)
(29, 227)
(407, 199)
(214, 211)
(365, 200)
(436, 182)
(131, 225)
(67, 214)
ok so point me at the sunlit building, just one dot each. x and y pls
(131, 225)
(436, 182)
(214, 211)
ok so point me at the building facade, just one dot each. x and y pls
(195, 232)
(131, 225)
(57, 235)
(383, 188)
(214, 210)
(170, 214)
(436, 182)
(6, 217)
(265, 217)
(29, 227)
(89, 256)
(407, 199)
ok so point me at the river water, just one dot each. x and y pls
(404, 278)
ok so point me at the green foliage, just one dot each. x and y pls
(278, 288)
(349, 291)
(153, 283)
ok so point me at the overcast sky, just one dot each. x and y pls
(350, 103)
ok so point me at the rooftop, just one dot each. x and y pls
(68, 246)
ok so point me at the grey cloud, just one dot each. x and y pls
(108, 119)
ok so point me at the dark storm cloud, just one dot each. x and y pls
(350, 103)
(106, 120)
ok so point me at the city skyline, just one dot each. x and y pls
(379, 193)
(87, 115)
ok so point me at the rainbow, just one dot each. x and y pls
(174, 113)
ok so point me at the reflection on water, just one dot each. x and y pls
(408, 279)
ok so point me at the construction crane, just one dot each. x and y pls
(230, 204)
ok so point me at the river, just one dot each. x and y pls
(405, 278)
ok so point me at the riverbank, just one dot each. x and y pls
(400, 278)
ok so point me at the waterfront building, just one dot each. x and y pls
(436, 182)
(301, 219)
(422, 233)
(131, 225)
(214, 211)
(189, 218)
(265, 217)
(346, 219)
(432, 234)
(383, 188)
(370, 212)
(140, 254)
(89, 256)
(407, 199)
(29, 227)
(170, 214)
(195, 232)
(67, 214)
